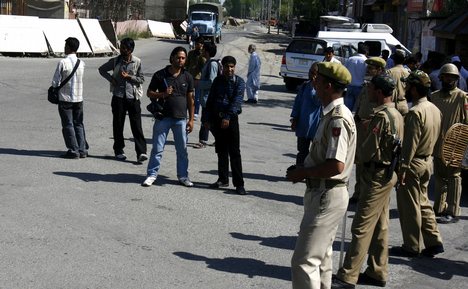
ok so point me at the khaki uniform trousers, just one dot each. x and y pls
(370, 228)
(417, 218)
(448, 189)
(311, 264)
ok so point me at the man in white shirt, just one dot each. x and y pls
(329, 55)
(357, 67)
(70, 104)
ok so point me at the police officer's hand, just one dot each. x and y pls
(225, 123)
(295, 175)
(401, 178)
(189, 126)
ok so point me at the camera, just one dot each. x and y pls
(156, 109)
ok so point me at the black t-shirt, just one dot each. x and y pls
(175, 105)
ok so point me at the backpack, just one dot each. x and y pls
(220, 67)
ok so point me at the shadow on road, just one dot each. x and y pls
(281, 242)
(245, 266)
(33, 153)
(439, 268)
(277, 197)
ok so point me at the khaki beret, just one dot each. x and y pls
(376, 61)
(335, 71)
(400, 52)
(384, 83)
(418, 77)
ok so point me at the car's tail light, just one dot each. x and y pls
(283, 60)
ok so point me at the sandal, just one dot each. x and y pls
(199, 145)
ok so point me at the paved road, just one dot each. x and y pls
(89, 224)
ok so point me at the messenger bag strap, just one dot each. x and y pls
(70, 76)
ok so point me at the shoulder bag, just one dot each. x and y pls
(53, 92)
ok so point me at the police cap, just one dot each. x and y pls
(335, 71)
(418, 77)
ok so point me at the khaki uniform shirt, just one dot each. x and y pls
(397, 72)
(335, 139)
(422, 128)
(454, 107)
(378, 144)
(365, 106)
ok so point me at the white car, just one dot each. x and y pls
(302, 52)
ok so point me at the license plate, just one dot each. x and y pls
(303, 62)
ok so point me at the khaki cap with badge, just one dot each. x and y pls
(376, 61)
(335, 71)
(418, 77)
(384, 83)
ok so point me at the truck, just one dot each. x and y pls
(207, 18)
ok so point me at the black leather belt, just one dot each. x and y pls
(421, 156)
(374, 165)
(328, 184)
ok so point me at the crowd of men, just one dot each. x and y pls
(190, 81)
(394, 108)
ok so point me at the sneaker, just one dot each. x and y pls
(121, 157)
(339, 284)
(433, 250)
(83, 155)
(365, 279)
(149, 181)
(186, 182)
(252, 101)
(219, 184)
(241, 191)
(142, 158)
(70, 155)
(447, 219)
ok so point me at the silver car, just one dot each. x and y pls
(304, 51)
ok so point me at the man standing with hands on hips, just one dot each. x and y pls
(326, 170)
(172, 87)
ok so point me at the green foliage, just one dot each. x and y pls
(451, 7)
(134, 35)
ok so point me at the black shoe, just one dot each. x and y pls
(400, 252)
(83, 155)
(365, 279)
(447, 219)
(241, 191)
(339, 284)
(219, 184)
(433, 250)
(70, 155)
(253, 101)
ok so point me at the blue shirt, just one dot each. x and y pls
(306, 111)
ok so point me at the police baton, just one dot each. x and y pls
(343, 231)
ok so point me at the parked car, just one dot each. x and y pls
(302, 52)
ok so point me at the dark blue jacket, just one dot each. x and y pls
(225, 98)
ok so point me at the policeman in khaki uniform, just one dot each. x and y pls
(364, 112)
(370, 223)
(422, 127)
(326, 170)
(397, 72)
(453, 103)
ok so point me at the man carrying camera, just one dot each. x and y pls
(370, 223)
(172, 87)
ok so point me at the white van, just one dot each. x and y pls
(376, 36)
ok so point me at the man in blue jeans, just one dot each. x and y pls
(172, 87)
(70, 104)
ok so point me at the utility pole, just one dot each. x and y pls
(279, 16)
(269, 15)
